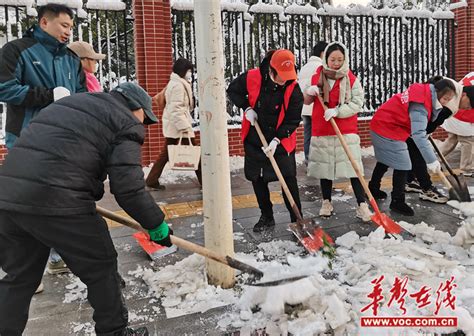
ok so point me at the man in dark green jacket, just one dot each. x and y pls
(38, 69)
(70, 148)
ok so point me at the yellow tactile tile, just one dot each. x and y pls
(187, 209)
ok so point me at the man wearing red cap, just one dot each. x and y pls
(270, 95)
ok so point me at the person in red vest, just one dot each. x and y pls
(461, 129)
(342, 93)
(270, 94)
(406, 115)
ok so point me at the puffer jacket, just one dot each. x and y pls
(179, 104)
(30, 68)
(327, 158)
(268, 107)
(58, 167)
(304, 79)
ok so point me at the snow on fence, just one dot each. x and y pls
(389, 47)
(106, 24)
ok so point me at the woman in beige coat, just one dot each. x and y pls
(343, 95)
(177, 121)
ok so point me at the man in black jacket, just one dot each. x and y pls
(270, 95)
(51, 180)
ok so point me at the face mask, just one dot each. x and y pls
(189, 76)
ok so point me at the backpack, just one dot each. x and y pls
(160, 99)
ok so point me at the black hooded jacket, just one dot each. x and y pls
(58, 166)
(268, 108)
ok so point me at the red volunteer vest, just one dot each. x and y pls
(392, 119)
(321, 127)
(466, 115)
(254, 82)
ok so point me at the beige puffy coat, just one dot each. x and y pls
(327, 158)
(179, 104)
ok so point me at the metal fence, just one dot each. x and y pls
(386, 53)
(110, 32)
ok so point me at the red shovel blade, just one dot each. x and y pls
(383, 220)
(154, 250)
(316, 240)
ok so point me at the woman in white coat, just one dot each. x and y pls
(177, 121)
(343, 95)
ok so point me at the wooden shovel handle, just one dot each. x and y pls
(175, 240)
(279, 175)
(354, 164)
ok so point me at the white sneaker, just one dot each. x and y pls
(40, 288)
(326, 209)
(363, 212)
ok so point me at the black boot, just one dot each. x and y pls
(377, 192)
(398, 205)
(142, 331)
(264, 223)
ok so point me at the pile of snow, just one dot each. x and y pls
(74, 4)
(317, 305)
(114, 5)
(183, 287)
(465, 235)
(328, 299)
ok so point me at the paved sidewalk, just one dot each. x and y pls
(62, 308)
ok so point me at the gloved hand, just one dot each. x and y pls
(330, 113)
(434, 167)
(272, 146)
(251, 115)
(161, 234)
(60, 92)
(312, 90)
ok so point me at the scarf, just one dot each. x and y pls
(344, 86)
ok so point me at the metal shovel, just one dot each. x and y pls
(310, 235)
(456, 184)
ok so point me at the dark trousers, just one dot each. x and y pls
(163, 159)
(84, 243)
(262, 193)
(419, 169)
(399, 180)
(307, 135)
(326, 189)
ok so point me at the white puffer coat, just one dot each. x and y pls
(327, 158)
(179, 104)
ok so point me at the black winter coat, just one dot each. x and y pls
(268, 108)
(58, 165)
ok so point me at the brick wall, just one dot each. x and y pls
(153, 57)
(464, 39)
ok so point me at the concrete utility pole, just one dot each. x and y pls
(214, 139)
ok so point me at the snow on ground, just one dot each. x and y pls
(183, 287)
(235, 163)
(76, 290)
(328, 299)
(367, 151)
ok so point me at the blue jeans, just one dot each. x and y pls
(307, 135)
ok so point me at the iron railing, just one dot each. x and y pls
(387, 53)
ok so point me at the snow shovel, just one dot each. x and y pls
(456, 184)
(187, 245)
(310, 235)
(379, 217)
